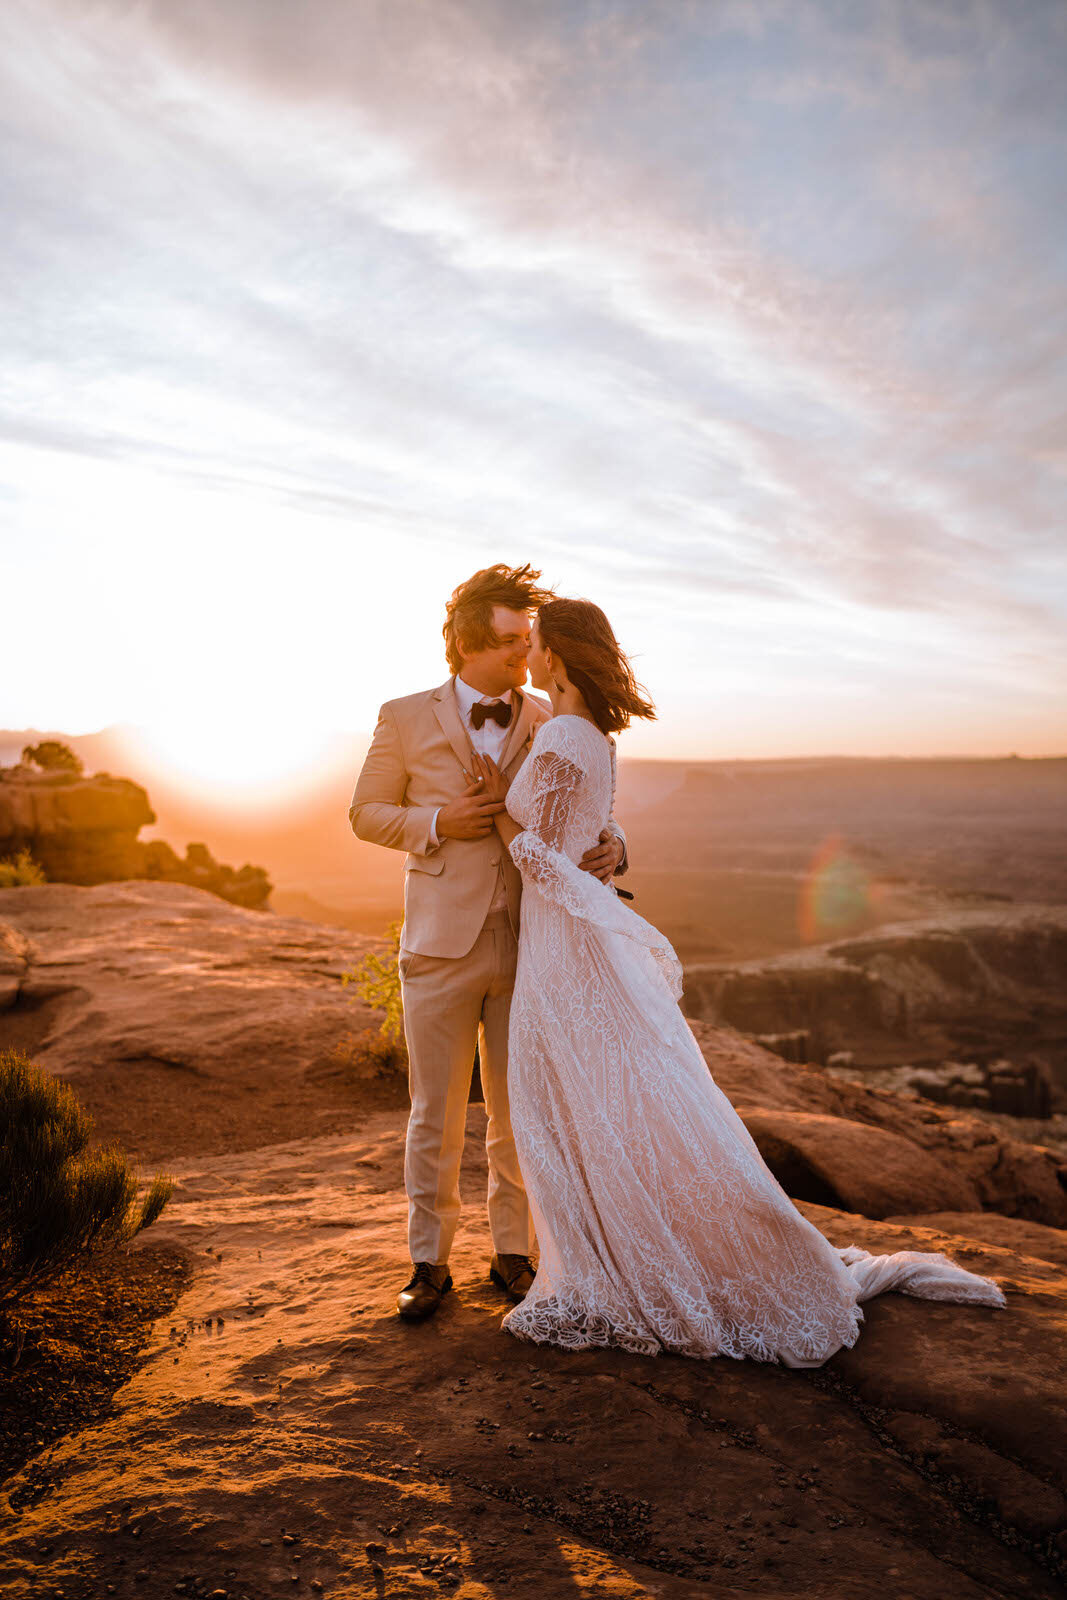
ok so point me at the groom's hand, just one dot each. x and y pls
(604, 857)
(470, 815)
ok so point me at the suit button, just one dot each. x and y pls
(494, 861)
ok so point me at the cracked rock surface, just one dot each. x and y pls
(286, 1434)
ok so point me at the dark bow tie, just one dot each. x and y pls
(499, 710)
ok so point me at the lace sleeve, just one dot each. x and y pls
(554, 785)
(554, 781)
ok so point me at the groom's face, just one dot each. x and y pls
(502, 666)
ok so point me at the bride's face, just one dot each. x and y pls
(537, 660)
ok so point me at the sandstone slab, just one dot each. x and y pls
(833, 1161)
(181, 1020)
(283, 1411)
(1010, 1175)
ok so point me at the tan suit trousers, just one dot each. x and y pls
(451, 1003)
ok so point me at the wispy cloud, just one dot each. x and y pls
(757, 306)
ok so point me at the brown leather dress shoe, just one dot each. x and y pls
(514, 1274)
(421, 1297)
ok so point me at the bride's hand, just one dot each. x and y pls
(495, 784)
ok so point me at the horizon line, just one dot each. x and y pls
(1007, 755)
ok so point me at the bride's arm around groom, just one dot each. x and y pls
(417, 791)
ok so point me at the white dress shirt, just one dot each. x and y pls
(488, 740)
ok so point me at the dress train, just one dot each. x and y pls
(660, 1225)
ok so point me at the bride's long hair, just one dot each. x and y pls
(581, 636)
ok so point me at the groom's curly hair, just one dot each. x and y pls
(469, 613)
(580, 635)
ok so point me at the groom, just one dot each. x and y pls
(416, 792)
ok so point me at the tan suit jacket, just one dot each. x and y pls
(414, 765)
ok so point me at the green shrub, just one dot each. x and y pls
(377, 981)
(59, 1202)
(19, 870)
(52, 756)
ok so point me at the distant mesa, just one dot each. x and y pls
(84, 830)
(968, 1008)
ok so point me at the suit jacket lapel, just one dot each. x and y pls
(521, 728)
(446, 710)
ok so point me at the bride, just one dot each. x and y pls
(659, 1225)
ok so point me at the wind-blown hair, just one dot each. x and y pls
(469, 613)
(581, 636)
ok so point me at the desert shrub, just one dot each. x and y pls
(53, 756)
(366, 1054)
(59, 1202)
(19, 869)
(377, 984)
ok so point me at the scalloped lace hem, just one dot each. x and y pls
(567, 1321)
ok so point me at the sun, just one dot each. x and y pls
(241, 763)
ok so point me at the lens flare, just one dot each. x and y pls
(838, 895)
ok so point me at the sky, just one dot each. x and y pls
(744, 320)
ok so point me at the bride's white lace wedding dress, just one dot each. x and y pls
(660, 1227)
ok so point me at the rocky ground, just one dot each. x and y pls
(285, 1434)
(78, 1339)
